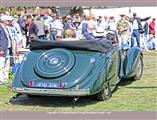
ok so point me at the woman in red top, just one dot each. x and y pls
(152, 28)
(152, 33)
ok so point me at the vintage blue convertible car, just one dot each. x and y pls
(76, 68)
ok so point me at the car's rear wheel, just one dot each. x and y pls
(139, 69)
(105, 94)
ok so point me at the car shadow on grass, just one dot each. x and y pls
(125, 82)
(51, 101)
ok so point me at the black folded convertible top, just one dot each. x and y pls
(101, 45)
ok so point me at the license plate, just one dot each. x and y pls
(46, 84)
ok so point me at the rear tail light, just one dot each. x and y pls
(30, 84)
(61, 84)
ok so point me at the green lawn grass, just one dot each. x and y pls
(135, 96)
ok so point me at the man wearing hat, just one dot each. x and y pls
(78, 25)
(122, 27)
(99, 32)
(76, 17)
(68, 24)
(5, 44)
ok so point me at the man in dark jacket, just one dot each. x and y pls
(3, 42)
(137, 29)
(31, 29)
(3, 52)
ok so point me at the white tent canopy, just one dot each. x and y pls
(141, 11)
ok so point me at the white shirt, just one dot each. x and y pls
(135, 25)
(112, 26)
(57, 24)
(79, 31)
(104, 24)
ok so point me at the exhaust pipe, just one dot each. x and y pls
(75, 99)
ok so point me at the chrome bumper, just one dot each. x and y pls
(65, 92)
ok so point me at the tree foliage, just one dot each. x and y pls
(75, 10)
(16, 10)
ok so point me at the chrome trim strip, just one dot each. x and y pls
(65, 92)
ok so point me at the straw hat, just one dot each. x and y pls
(68, 17)
(99, 32)
(122, 15)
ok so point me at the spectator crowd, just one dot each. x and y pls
(17, 31)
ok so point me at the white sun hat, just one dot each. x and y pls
(99, 32)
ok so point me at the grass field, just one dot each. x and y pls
(131, 96)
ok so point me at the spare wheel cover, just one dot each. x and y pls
(54, 63)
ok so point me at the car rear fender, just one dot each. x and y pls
(130, 61)
(105, 75)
